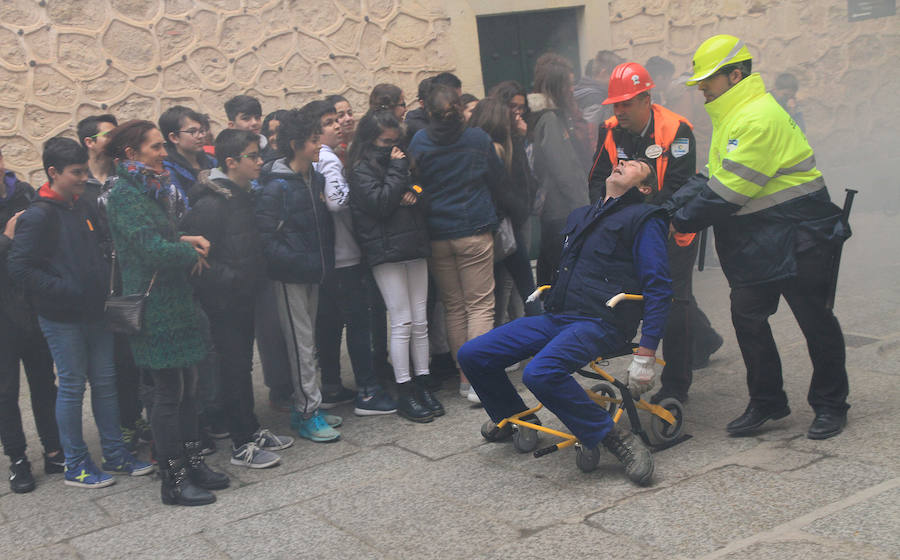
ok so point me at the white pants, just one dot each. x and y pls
(297, 304)
(404, 288)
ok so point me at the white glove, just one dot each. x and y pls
(536, 294)
(641, 375)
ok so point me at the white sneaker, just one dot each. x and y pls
(472, 396)
(264, 439)
(251, 456)
(464, 389)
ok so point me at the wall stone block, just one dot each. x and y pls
(297, 72)
(137, 10)
(380, 9)
(11, 50)
(318, 16)
(13, 86)
(38, 122)
(110, 86)
(329, 78)
(408, 30)
(277, 48)
(174, 36)
(18, 152)
(131, 46)
(346, 36)
(352, 7)
(312, 48)
(79, 54)
(211, 64)
(19, 12)
(239, 32)
(85, 14)
(370, 44)
(53, 88)
(40, 45)
(245, 68)
(8, 119)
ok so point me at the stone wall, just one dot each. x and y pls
(61, 60)
(847, 71)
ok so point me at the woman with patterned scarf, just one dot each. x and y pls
(143, 208)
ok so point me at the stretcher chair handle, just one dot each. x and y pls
(618, 298)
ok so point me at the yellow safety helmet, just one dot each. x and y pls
(714, 53)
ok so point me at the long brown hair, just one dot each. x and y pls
(492, 116)
(553, 78)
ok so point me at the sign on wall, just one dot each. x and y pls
(869, 9)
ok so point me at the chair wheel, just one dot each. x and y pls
(662, 430)
(587, 459)
(606, 389)
(490, 432)
(525, 440)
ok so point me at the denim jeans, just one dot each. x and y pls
(84, 352)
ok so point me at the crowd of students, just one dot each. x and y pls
(283, 231)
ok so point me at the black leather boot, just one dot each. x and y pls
(177, 488)
(409, 407)
(199, 472)
(426, 397)
(632, 453)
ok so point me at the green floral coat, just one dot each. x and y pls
(146, 241)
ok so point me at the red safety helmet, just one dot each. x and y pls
(626, 81)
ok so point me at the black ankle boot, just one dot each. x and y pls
(177, 488)
(426, 397)
(199, 472)
(409, 407)
(632, 453)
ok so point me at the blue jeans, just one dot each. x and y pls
(560, 344)
(84, 352)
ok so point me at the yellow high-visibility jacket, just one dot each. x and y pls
(765, 197)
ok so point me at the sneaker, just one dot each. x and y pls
(86, 475)
(314, 428)
(341, 396)
(472, 396)
(126, 463)
(464, 389)
(266, 440)
(55, 464)
(144, 432)
(252, 457)
(333, 420)
(376, 404)
(21, 480)
(129, 438)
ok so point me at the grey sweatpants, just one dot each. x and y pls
(297, 305)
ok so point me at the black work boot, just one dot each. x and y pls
(21, 480)
(828, 423)
(177, 488)
(409, 407)
(426, 397)
(632, 453)
(753, 418)
(199, 472)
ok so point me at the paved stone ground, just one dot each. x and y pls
(393, 489)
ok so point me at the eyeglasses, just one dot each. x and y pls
(517, 109)
(196, 132)
(99, 134)
(254, 156)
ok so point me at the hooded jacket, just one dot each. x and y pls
(459, 169)
(225, 214)
(337, 199)
(387, 231)
(180, 171)
(559, 171)
(56, 254)
(294, 224)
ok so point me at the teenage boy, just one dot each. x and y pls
(56, 254)
(185, 133)
(224, 213)
(245, 113)
(347, 122)
(92, 133)
(298, 244)
(21, 341)
(342, 296)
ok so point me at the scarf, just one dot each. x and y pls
(157, 186)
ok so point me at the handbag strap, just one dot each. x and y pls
(112, 278)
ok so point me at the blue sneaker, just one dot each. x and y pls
(315, 428)
(126, 463)
(375, 404)
(86, 475)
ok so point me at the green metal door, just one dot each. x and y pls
(511, 43)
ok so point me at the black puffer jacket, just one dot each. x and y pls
(225, 214)
(386, 231)
(294, 224)
(13, 304)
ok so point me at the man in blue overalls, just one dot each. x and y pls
(618, 244)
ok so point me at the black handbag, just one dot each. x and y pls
(124, 314)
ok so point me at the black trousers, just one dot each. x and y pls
(232, 334)
(678, 338)
(128, 381)
(383, 369)
(551, 250)
(30, 348)
(751, 307)
(173, 417)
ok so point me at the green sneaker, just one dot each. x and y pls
(130, 438)
(315, 428)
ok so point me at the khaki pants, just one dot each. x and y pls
(463, 270)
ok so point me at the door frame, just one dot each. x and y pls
(592, 20)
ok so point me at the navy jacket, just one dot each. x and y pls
(13, 303)
(458, 175)
(613, 248)
(386, 230)
(57, 255)
(294, 224)
(180, 171)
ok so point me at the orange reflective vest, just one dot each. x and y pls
(665, 127)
